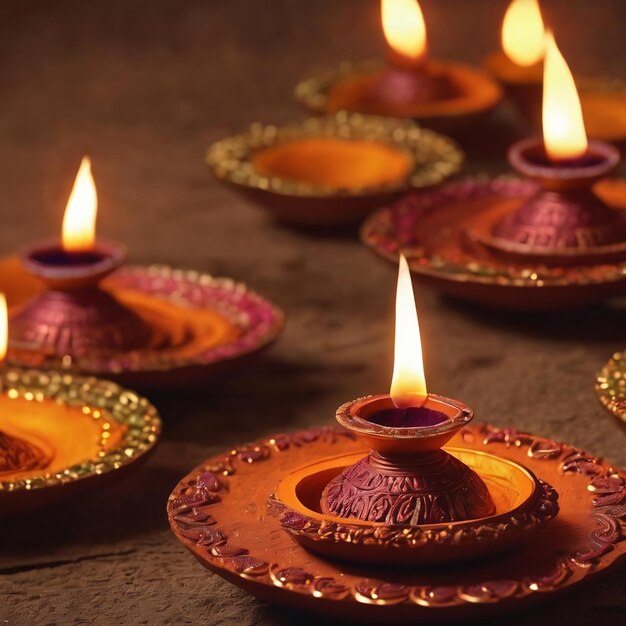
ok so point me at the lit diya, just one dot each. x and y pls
(518, 67)
(61, 434)
(331, 171)
(410, 84)
(554, 239)
(75, 308)
(366, 510)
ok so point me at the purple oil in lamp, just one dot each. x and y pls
(407, 478)
(565, 222)
(74, 316)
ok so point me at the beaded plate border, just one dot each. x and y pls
(435, 157)
(142, 421)
(391, 230)
(611, 385)
(194, 507)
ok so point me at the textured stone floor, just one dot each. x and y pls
(144, 88)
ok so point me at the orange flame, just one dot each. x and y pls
(523, 33)
(404, 28)
(4, 326)
(79, 221)
(408, 386)
(564, 133)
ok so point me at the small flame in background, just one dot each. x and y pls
(79, 221)
(4, 326)
(523, 33)
(564, 133)
(408, 386)
(404, 28)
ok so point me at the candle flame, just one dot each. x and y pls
(564, 133)
(79, 221)
(4, 326)
(408, 386)
(523, 33)
(404, 28)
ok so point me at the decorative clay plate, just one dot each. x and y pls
(60, 433)
(220, 513)
(434, 231)
(202, 325)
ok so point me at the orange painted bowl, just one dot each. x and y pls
(62, 435)
(347, 87)
(523, 505)
(331, 171)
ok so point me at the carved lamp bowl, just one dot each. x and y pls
(406, 478)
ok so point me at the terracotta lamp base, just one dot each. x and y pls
(565, 222)
(439, 94)
(74, 316)
(395, 91)
(406, 479)
(19, 455)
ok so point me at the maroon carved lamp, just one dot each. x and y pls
(564, 222)
(409, 84)
(407, 478)
(74, 316)
(409, 79)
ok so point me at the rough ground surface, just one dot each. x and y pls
(144, 87)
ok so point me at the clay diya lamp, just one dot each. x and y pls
(330, 171)
(407, 480)
(74, 315)
(555, 239)
(76, 308)
(350, 521)
(518, 67)
(441, 94)
(611, 385)
(61, 435)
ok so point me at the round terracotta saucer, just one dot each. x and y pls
(611, 385)
(346, 88)
(220, 513)
(61, 434)
(440, 233)
(331, 171)
(202, 325)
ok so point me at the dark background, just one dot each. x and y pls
(144, 88)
